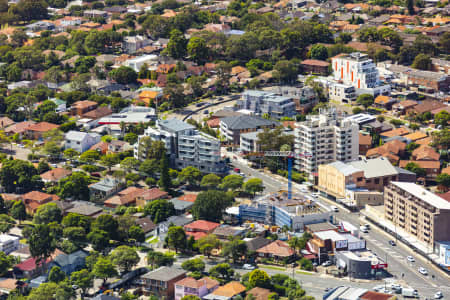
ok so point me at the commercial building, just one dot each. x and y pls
(8, 243)
(185, 145)
(359, 264)
(358, 70)
(351, 293)
(417, 211)
(325, 138)
(342, 92)
(137, 62)
(304, 97)
(261, 102)
(232, 127)
(277, 209)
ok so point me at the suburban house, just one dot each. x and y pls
(70, 263)
(150, 195)
(314, 66)
(200, 228)
(87, 210)
(277, 250)
(34, 199)
(35, 131)
(197, 287)
(259, 293)
(29, 268)
(432, 167)
(147, 225)
(79, 108)
(125, 197)
(161, 282)
(80, 141)
(365, 143)
(104, 188)
(392, 150)
(55, 175)
(227, 291)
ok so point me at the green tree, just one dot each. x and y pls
(52, 290)
(6, 223)
(157, 259)
(136, 233)
(232, 182)
(415, 168)
(75, 186)
(259, 278)
(319, 52)
(176, 238)
(422, 62)
(109, 160)
(210, 181)
(193, 265)
(443, 179)
(83, 279)
(442, 118)
(210, 205)
(164, 181)
(410, 7)
(190, 174)
(99, 239)
(124, 257)
(235, 249)
(18, 211)
(253, 186)
(104, 269)
(106, 223)
(365, 100)
(149, 167)
(208, 243)
(32, 10)
(129, 164)
(159, 210)
(18, 175)
(222, 271)
(56, 275)
(41, 243)
(285, 71)
(197, 49)
(297, 243)
(190, 297)
(177, 44)
(47, 213)
(444, 41)
(77, 235)
(71, 154)
(124, 75)
(131, 138)
(90, 156)
(6, 262)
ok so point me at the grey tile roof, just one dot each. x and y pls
(180, 204)
(257, 243)
(69, 259)
(105, 184)
(85, 210)
(76, 135)
(175, 125)
(246, 122)
(164, 273)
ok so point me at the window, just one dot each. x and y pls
(377, 180)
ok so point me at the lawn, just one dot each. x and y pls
(303, 272)
(272, 267)
(152, 240)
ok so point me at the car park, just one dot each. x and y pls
(392, 243)
(423, 271)
(410, 258)
(248, 267)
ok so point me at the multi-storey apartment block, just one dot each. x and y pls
(358, 70)
(185, 145)
(325, 138)
(418, 212)
(261, 102)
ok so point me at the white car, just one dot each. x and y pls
(410, 258)
(334, 208)
(423, 271)
(364, 229)
(327, 263)
(438, 295)
(248, 267)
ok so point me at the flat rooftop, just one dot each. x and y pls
(423, 194)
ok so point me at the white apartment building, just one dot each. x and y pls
(325, 138)
(186, 146)
(342, 92)
(358, 70)
(261, 102)
(137, 62)
(8, 243)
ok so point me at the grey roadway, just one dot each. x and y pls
(377, 241)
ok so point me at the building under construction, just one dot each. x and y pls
(277, 209)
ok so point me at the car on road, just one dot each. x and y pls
(205, 112)
(21, 146)
(248, 267)
(364, 229)
(423, 271)
(410, 258)
(367, 226)
(327, 263)
(438, 295)
(199, 104)
(326, 290)
(392, 243)
(334, 208)
(242, 174)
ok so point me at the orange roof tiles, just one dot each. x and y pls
(415, 136)
(425, 141)
(188, 197)
(424, 164)
(39, 196)
(55, 175)
(201, 225)
(230, 289)
(425, 153)
(382, 99)
(42, 127)
(395, 132)
(277, 248)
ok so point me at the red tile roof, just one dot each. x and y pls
(201, 225)
(370, 295)
(425, 152)
(55, 174)
(188, 197)
(42, 127)
(38, 196)
(30, 264)
(315, 62)
(277, 248)
(153, 194)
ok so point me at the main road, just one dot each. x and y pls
(402, 271)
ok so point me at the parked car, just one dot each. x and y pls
(334, 208)
(423, 271)
(205, 112)
(438, 295)
(410, 258)
(367, 226)
(327, 263)
(392, 243)
(248, 267)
